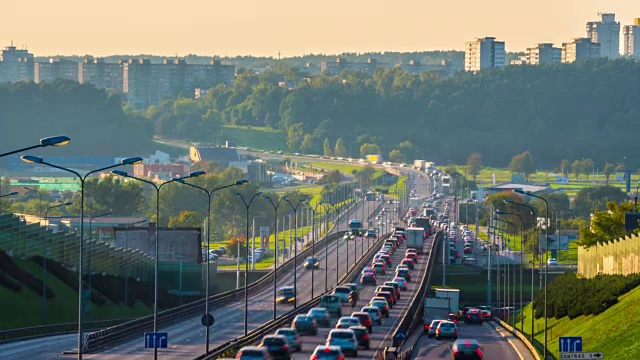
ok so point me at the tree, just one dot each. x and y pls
(396, 156)
(605, 226)
(595, 198)
(232, 246)
(369, 149)
(523, 163)
(5, 184)
(496, 200)
(558, 202)
(340, 150)
(576, 168)
(565, 167)
(474, 165)
(587, 167)
(295, 135)
(327, 150)
(334, 177)
(608, 170)
(185, 219)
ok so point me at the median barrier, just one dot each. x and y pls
(533, 349)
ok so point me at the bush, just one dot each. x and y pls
(9, 283)
(68, 277)
(566, 294)
(33, 283)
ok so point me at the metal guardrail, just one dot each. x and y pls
(519, 335)
(231, 347)
(54, 329)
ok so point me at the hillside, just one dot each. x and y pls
(613, 332)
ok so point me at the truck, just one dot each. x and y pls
(453, 295)
(418, 164)
(415, 202)
(356, 228)
(424, 223)
(374, 159)
(435, 308)
(415, 239)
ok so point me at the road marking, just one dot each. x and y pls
(515, 348)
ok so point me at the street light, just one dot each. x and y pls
(275, 267)
(533, 219)
(48, 141)
(157, 247)
(295, 250)
(124, 262)
(44, 261)
(506, 282)
(39, 196)
(61, 141)
(206, 295)
(246, 272)
(313, 239)
(326, 249)
(9, 194)
(91, 242)
(521, 242)
(546, 263)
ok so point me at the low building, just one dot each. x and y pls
(580, 49)
(223, 156)
(543, 54)
(160, 172)
(340, 65)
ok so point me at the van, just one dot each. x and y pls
(332, 303)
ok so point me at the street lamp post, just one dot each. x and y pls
(275, 267)
(533, 219)
(507, 283)
(326, 249)
(246, 272)
(295, 251)
(44, 261)
(157, 247)
(61, 141)
(48, 141)
(207, 281)
(521, 244)
(313, 240)
(13, 193)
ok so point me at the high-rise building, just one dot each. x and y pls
(16, 65)
(100, 74)
(632, 39)
(55, 69)
(484, 53)
(580, 49)
(606, 32)
(544, 54)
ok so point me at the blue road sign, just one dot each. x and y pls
(401, 335)
(570, 344)
(156, 340)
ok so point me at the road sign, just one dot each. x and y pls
(570, 344)
(156, 340)
(207, 320)
(582, 355)
(400, 336)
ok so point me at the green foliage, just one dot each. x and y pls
(595, 198)
(340, 150)
(121, 197)
(369, 149)
(609, 169)
(10, 268)
(327, 149)
(566, 294)
(558, 202)
(184, 219)
(605, 226)
(474, 165)
(523, 164)
(396, 156)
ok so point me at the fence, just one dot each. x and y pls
(618, 257)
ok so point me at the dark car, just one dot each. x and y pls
(408, 263)
(404, 274)
(381, 304)
(412, 256)
(387, 258)
(362, 335)
(277, 346)
(365, 319)
(464, 349)
(305, 324)
(388, 296)
(395, 286)
(390, 289)
(368, 278)
(311, 262)
(379, 268)
(473, 317)
(320, 315)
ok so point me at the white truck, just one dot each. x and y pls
(415, 202)
(453, 295)
(415, 239)
(435, 308)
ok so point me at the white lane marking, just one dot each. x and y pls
(499, 331)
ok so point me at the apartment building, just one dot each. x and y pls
(606, 32)
(631, 39)
(16, 65)
(416, 67)
(580, 49)
(543, 54)
(100, 74)
(484, 53)
(55, 69)
(340, 65)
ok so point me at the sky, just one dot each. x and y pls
(292, 27)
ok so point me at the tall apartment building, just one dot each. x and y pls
(580, 49)
(606, 32)
(338, 66)
(544, 54)
(484, 53)
(16, 65)
(145, 83)
(100, 74)
(631, 40)
(55, 69)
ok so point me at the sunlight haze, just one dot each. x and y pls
(293, 27)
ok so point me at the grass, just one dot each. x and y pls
(614, 332)
(23, 309)
(263, 138)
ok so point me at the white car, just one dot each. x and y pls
(552, 262)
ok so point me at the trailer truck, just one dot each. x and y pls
(453, 295)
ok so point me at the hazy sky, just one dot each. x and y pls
(295, 27)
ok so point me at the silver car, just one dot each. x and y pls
(431, 331)
(347, 321)
(447, 330)
(374, 314)
(292, 336)
(345, 339)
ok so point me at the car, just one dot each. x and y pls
(368, 278)
(412, 256)
(371, 233)
(287, 295)
(345, 339)
(468, 250)
(365, 319)
(342, 292)
(486, 314)
(404, 273)
(395, 286)
(324, 352)
(277, 346)
(473, 317)
(253, 353)
(402, 282)
(379, 267)
(311, 263)
(389, 288)
(552, 262)
(374, 314)
(453, 317)
(382, 305)
(408, 263)
(354, 290)
(430, 330)
(295, 342)
(332, 303)
(362, 335)
(386, 258)
(388, 296)
(320, 315)
(367, 269)
(346, 321)
(464, 349)
(305, 324)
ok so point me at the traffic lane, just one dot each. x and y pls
(495, 344)
(38, 349)
(381, 333)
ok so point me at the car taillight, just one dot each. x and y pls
(366, 337)
(284, 347)
(455, 332)
(468, 317)
(479, 352)
(340, 357)
(368, 322)
(314, 357)
(455, 353)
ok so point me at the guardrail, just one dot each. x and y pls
(54, 329)
(116, 333)
(533, 349)
(231, 347)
